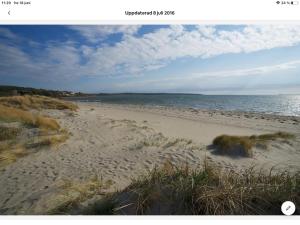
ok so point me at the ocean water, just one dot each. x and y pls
(272, 104)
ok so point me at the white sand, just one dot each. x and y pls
(122, 142)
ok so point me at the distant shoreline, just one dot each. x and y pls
(281, 104)
(8, 90)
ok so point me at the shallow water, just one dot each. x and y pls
(288, 105)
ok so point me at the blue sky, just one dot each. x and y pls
(212, 59)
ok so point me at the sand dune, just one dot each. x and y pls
(119, 143)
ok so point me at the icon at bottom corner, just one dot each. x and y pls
(288, 208)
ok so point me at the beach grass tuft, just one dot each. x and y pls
(46, 122)
(9, 155)
(234, 145)
(243, 145)
(51, 140)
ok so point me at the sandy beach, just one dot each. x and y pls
(120, 143)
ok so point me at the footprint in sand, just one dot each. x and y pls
(130, 167)
(123, 168)
(110, 172)
(148, 162)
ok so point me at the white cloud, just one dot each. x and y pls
(56, 62)
(97, 33)
(153, 50)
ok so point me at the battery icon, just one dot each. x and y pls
(294, 3)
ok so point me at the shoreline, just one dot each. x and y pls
(122, 99)
(183, 108)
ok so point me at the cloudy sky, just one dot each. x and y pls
(239, 59)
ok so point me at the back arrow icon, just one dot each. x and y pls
(9, 12)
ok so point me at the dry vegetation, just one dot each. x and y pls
(7, 133)
(9, 151)
(19, 110)
(181, 191)
(243, 145)
(28, 102)
(10, 154)
(10, 114)
(70, 194)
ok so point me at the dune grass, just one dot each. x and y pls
(46, 122)
(56, 139)
(36, 102)
(207, 191)
(12, 149)
(274, 136)
(9, 151)
(71, 194)
(10, 154)
(49, 140)
(16, 108)
(10, 114)
(20, 109)
(7, 133)
(243, 145)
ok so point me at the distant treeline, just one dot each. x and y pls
(14, 90)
